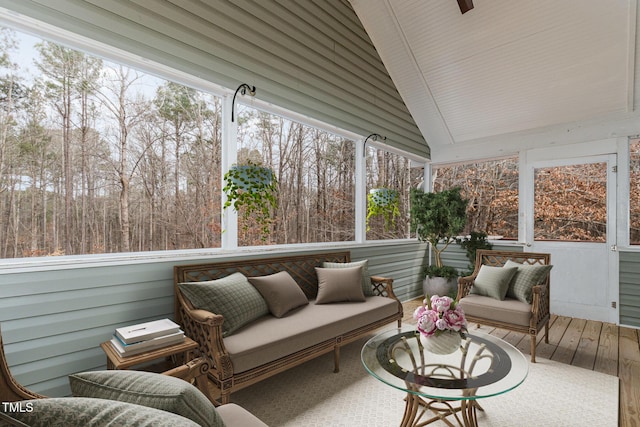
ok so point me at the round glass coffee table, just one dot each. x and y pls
(441, 386)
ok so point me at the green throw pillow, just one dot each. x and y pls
(367, 289)
(232, 297)
(147, 389)
(87, 412)
(525, 279)
(493, 281)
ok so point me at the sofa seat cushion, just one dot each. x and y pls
(270, 338)
(508, 311)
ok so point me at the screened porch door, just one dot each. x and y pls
(571, 215)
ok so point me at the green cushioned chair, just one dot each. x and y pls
(113, 397)
(522, 306)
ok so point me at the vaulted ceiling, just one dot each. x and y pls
(509, 75)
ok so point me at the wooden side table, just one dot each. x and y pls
(116, 361)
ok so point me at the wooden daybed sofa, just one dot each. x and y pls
(525, 309)
(269, 345)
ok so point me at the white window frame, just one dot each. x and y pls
(229, 240)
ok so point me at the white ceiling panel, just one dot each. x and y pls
(507, 65)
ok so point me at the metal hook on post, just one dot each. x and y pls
(373, 136)
(243, 88)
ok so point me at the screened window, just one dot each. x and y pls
(570, 203)
(100, 158)
(389, 178)
(315, 172)
(492, 190)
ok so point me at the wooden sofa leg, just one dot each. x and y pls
(336, 359)
(533, 349)
(225, 397)
(546, 333)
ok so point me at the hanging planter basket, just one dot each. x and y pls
(250, 177)
(383, 202)
(253, 187)
(383, 197)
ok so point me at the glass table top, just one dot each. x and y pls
(484, 365)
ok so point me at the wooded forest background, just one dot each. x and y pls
(98, 158)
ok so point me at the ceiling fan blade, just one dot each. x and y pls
(465, 5)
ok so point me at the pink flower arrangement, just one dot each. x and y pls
(438, 314)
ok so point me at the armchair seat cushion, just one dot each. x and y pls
(507, 311)
(88, 412)
(147, 389)
(234, 415)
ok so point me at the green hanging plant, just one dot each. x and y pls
(383, 202)
(254, 187)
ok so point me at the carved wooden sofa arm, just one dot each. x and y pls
(205, 328)
(194, 371)
(539, 305)
(464, 286)
(383, 286)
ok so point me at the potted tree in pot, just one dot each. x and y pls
(438, 218)
(253, 187)
(476, 240)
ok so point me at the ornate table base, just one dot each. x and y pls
(416, 408)
(444, 387)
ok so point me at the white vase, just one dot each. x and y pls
(444, 343)
(440, 286)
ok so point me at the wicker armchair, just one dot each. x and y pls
(12, 391)
(194, 371)
(509, 314)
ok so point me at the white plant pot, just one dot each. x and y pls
(445, 343)
(440, 286)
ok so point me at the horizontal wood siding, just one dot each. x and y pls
(456, 257)
(404, 263)
(53, 321)
(630, 288)
(313, 58)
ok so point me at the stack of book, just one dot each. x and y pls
(136, 339)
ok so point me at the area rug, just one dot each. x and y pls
(310, 395)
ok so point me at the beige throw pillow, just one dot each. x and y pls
(280, 291)
(339, 285)
(366, 278)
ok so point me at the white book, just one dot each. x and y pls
(146, 331)
(149, 345)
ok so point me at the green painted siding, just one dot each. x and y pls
(630, 288)
(313, 58)
(54, 318)
(456, 257)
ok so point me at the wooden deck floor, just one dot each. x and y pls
(602, 347)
